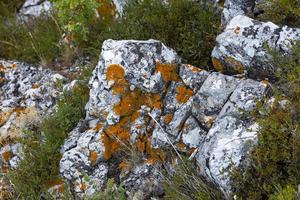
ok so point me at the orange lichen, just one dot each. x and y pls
(217, 65)
(237, 65)
(19, 110)
(157, 155)
(7, 155)
(124, 166)
(181, 146)
(153, 100)
(168, 71)
(265, 82)
(193, 68)
(98, 127)
(93, 157)
(183, 94)
(35, 85)
(2, 68)
(82, 186)
(115, 73)
(55, 182)
(168, 118)
(237, 30)
(14, 66)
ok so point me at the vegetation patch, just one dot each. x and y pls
(275, 161)
(40, 166)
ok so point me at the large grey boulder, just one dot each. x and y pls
(141, 94)
(242, 47)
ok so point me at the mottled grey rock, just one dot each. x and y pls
(241, 48)
(27, 94)
(143, 182)
(234, 8)
(191, 108)
(35, 8)
(230, 138)
(211, 97)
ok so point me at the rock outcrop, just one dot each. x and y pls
(142, 97)
(243, 46)
(34, 8)
(27, 94)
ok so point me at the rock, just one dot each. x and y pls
(27, 94)
(143, 100)
(34, 8)
(120, 4)
(241, 48)
(229, 140)
(234, 8)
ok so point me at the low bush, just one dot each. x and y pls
(40, 165)
(282, 12)
(188, 27)
(35, 41)
(186, 184)
(276, 158)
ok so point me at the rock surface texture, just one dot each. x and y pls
(27, 94)
(242, 47)
(143, 96)
(34, 8)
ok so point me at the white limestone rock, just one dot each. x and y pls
(241, 48)
(231, 137)
(34, 8)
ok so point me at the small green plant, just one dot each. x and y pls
(111, 192)
(40, 166)
(35, 41)
(186, 184)
(76, 16)
(276, 158)
(287, 193)
(282, 12)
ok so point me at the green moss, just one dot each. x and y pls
(276, 158)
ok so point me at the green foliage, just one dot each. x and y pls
(75, 16)
(40, 165)
(185, 184)
(283, 12)
(187, 26)
(36, 41)
(111, 192)
(276, 158)
(287, 193)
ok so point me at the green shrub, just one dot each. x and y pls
(186, 184)
(287, 193)
(40, 165)
(76, 16)
(186, 26)
(283, 12)
(276, 158)
(36, 41)
(111, 192)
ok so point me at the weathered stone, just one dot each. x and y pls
(211, 97)
(241, 48)
(229, 140)
(143, 97)
(234, 8)
(35, 8)
(27, 94)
